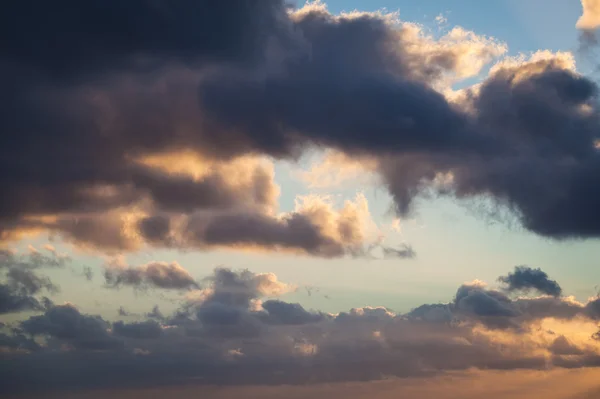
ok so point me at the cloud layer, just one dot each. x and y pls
(234, 330)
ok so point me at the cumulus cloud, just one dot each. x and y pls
(66, 324)
(314, 227)
(590, 19)
(169, 276)
(525, 278)
(173, 130)
(233, 325)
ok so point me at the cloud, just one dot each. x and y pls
(590, 19)
(314, 227)
(67, 325)
(22, 284)
(279, 312)
(233, 325)
(403, 251)
(155, 313)
(123, 312)
(175, 128)
(140, 330)
(525, 278)
(169, 276)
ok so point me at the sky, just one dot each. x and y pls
(362, 194)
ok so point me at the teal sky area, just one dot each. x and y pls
(453, 243)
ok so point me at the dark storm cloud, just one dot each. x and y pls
(525, 278)
(113, 94)
(169, 276)
(370, 98)
(188, 30)
(230, 78)
(528, 141)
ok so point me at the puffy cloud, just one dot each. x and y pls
(67, 325)
(590, 19)
(314, 227)
(279, 312)
(226, 327)
(239, 288)
(164, 130)
(525, 278)
(170, 276)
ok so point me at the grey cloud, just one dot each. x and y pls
(88, 273)
(239, 288)
(33, 259)
(22, 284)
(18, 342)
(223, 336)
(155, 314)
(12, 302)
(297, 231)
(123, 312)
(482, 302)
(526, 138)
(525, 278)
(403, 251)
(562, 346)
(279, 312)
(28, 283)
(140, 330)
(441, 313)
(66, 324)
(114, 100)
(170, 276)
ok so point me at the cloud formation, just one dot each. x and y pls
(590, 19)
(169, 128)
(20, 291)
(237, 331)
(524, 278)
(169, 276)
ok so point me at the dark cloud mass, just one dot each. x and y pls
(525, 278)
(85, 120)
